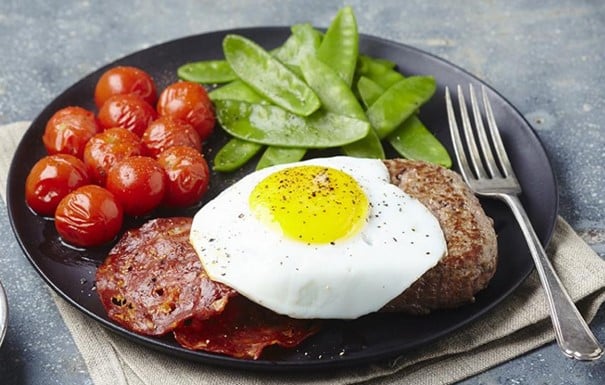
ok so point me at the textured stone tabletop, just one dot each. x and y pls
(546, 57)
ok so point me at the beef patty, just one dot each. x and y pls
(469, 234)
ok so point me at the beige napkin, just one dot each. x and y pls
(516, 326)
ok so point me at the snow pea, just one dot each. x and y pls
(237, 152)
(269, 77)
(379, 71)
(279, 155)
(303, 41)
(272, 125)
(367, 147)
(399, 102)
(207, 72)
(337, 97)
(234, 154)
(340, 45)
(413, 140)
(378, 60)
(236, 90)
(368, 90)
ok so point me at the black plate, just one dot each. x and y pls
(71, 273)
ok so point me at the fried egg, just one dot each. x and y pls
(322, 238)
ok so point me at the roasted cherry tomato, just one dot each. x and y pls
(51, 178)
(127, 111)
(188, 175)
(68, 130)
(124, 80)
(107, 148)
(88, 216)
(189, 102)
(166, 132)
(138, 183)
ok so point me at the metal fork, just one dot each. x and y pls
(489, 173)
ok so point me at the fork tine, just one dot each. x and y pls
(465, 169)
(497, 140)
(486, 149)
(470, 137)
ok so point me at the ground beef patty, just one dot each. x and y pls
(469, 233)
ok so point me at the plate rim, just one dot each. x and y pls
(267, 365)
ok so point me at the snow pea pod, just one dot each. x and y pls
(340, 45)
(207, 72)
(303, 41)
(368, 90)
(234, 154)
(379, 71)
(383, 62)
(399, 102)
(236, 90)
(238, 152)
(365, 64)
(279, 155)
(337, 97)
(413, 140)
(269, 77)
(271, 125)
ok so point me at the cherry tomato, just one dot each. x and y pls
(124, 80)
(139, 184)
(189, 102)
(68, 130)
(51, 178)
(188, 175)
(88, 216)
(166, 132)
(127, 111)
(107, 148)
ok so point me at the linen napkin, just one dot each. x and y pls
(514, 327)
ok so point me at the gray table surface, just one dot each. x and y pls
(546, 57)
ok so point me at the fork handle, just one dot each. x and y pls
(572, 333)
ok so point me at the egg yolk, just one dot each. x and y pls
(312, 204)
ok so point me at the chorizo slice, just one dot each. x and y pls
(243, 330)
(152, 279)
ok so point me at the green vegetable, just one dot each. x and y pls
(236, 90)
(399, 102)
(379, 71)
(336, 96)
(368, 90)
(368, 147)
(383, 62)
(300, 96)
(275, 126)
(304, 41)
(267, 76)
(340, 46)
(280, 155)
(207, 72)
(234, 154)
(413, 140)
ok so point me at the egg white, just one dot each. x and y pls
(352, 277)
